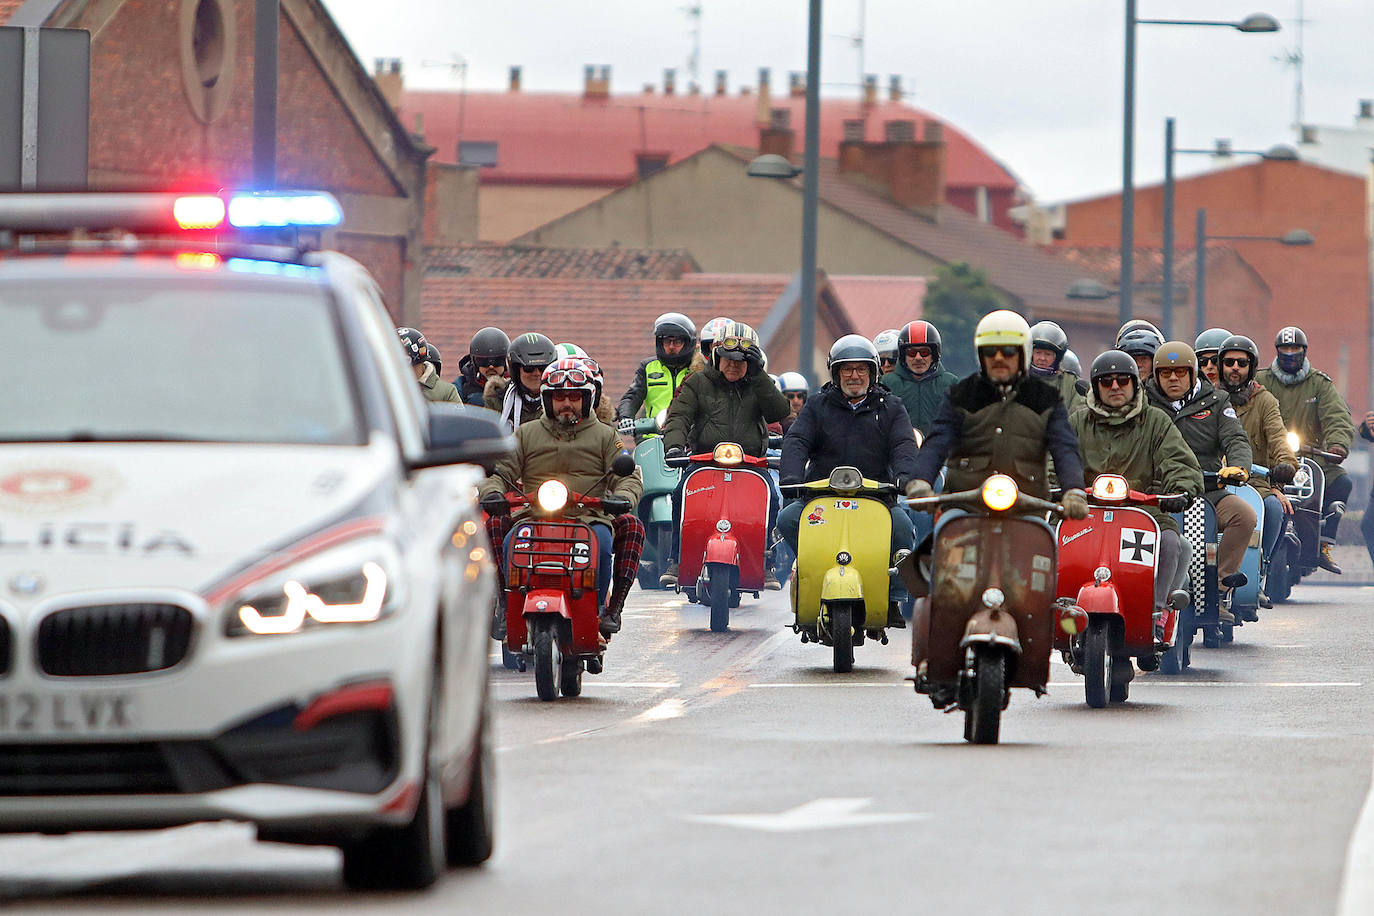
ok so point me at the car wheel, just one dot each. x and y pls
(469, 829)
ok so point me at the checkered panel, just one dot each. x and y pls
(1195, 530)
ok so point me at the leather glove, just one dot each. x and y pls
(919, 489)
(495, 504)
(1075, 503)
(676, 451)
(753, 357)
(625, 426)
(1173, 504)
(1233, 475)
(1282, 474)
(615, 505)
(1341, 451)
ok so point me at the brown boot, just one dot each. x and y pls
(1326, 561)
(610, 614)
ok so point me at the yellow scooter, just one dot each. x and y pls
(840, 590)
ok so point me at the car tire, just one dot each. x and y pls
(470, 828)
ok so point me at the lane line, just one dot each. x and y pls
(823, 684)
(1155, 683)
(614, 685)
(1357, 881)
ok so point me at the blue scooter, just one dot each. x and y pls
(655, 507)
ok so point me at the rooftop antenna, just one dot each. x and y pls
(693, 12)
(1294, 58)
(457, 66)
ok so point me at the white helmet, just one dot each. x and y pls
(794, 381)
(1003, 328)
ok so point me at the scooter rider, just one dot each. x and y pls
(1141, 344)
(732, 400)
(709, 332)
(1209, 425)
(568, 443)
(886, 345)
(919, 379)
(486, 360)
(658, 379)
(1207, 346)
(1002, 419)
(418, 350)
(517, 398)
(1315, 410)
(795, 389)
(1119, 432)
(1071, 363)
(1049, 343)
(853, 421)
(1258, 412)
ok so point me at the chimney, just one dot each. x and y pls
(515, 79)
(596, 82)
(648, 88)
(1366, 109)
(909, 172)
(796, 84)
(721, 79)
(870, 90)
(693, 89)
(933, 132)
(1309, 134)
(778, 137)
(389, 80)
(894, 88)
(669, 81)
(765, 105)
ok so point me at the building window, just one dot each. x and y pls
(208, 37)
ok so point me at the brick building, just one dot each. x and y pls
(1324, 288)
(172, 105)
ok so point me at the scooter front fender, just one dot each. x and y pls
(1099, 599)
(842, 583)
(547, 601)
(722, 549)
(989, 626)
(661, 509)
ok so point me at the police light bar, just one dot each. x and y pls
(167, 212)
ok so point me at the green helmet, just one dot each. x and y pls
(1210, 340)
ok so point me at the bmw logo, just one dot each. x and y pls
(25, 583)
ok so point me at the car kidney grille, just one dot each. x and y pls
(113, 639)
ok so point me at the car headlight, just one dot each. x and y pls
(352, 584)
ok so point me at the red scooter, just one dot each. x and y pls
(552, 611)
(1107, 566)
(724, 538)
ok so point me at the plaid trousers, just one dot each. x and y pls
(627, 543)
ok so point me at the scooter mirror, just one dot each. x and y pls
(623, 465)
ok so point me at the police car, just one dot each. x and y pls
(242, 571)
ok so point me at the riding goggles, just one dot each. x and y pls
(560, 377)
(734, 343)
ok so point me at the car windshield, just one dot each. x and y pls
(125, 360)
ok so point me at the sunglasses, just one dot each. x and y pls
(1233, 363)
(886, 363)
(563, 376)
(1007, 351)
(1174, 372)
(1207, 360)
(489, 362)
(918, 351)
(532, 370)
(796, 396)
(1115, 381)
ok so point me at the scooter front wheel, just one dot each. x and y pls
(548, 660)
(1097, 663)
(983, 718)
(842, 637)
(720, 597)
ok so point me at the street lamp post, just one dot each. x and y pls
(1280, 153)
(1291, 237)
(1254, 23)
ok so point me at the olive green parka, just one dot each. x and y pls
(1313, 408)
(1141, 444)
(1259, 413)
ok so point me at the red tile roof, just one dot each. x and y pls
(877, 303)
(493, 260)
(611, 319)
(7, 9)
(1105, 262)
(562, 138)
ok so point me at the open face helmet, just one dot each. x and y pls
(529, 351)
(886, 345)
(1291, 337)
(793, 383)
(1175, 353)
(489, 347)
(1046, 335)
(1071, 363)
(414, 344)
(709, 332)
(1136, 324)
(1003, 328)
(852, 348)
(918, 334)
(569, 374)
(1243, 344)
(1116, 363)
(735, 342)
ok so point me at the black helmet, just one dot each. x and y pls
(1070, 363)
(488, 345)
(1290, 337)
(1136, 324)
(1047, 335)
(1141, 341)
(434, 358)
(675, 324)
(852, 348)
(1115, 362)
(415, 345)
(529, 351)
(919, 334)
(1249, 348)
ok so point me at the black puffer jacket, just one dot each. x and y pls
(709, 410)
(1209, 425)
(874, 436)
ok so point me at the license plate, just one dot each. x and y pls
(92, 713)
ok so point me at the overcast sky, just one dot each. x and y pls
(1038, 84)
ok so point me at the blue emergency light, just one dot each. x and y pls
(162, 211)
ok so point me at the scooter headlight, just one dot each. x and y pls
(846, 479)
(552, 495)
(1101, 574)
(728, 454)
(1110, 488)
(1294, 441)
(993, 598)
(999, 492)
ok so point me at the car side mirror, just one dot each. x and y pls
(464, 435)
(623, 465)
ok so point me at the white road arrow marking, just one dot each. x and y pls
(821, 814)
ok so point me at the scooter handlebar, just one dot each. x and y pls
(1023, 502)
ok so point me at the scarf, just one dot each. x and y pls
(1178, 405)
(1125, 412)
(513, 404)
(1242, 395)
(1291, 378)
